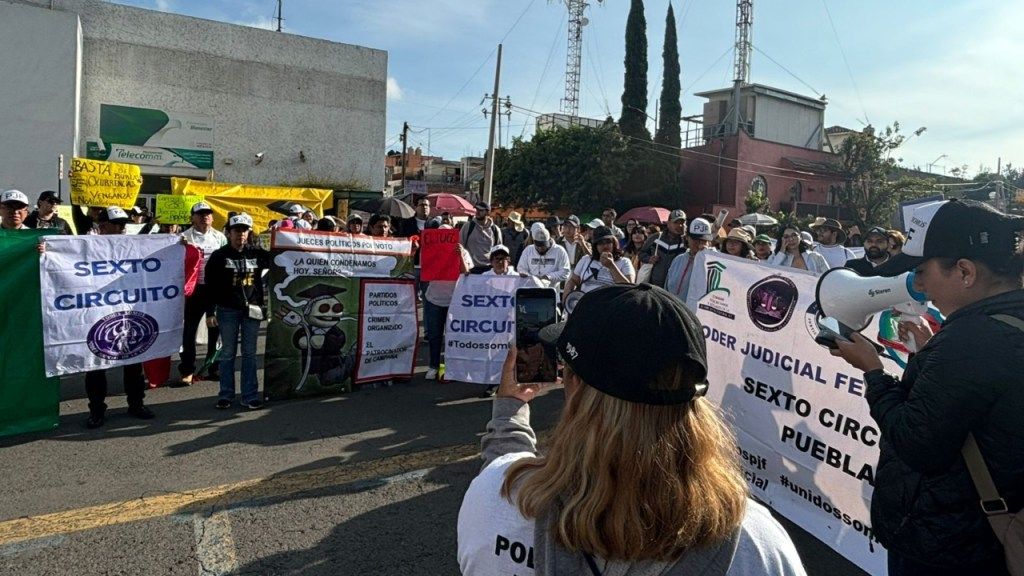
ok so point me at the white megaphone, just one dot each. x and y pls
(853, 299)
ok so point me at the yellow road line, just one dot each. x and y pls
(205, 500)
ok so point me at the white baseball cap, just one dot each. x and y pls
(297, 209)
(13, 196)
(498, 248)
(242, 219)
(540, 234)
(201, 207)
(700, 229)
(114, 215)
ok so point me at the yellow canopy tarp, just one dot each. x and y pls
(252, 199)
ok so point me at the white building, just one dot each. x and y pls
(183, 96)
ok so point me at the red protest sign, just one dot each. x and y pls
(439, 255)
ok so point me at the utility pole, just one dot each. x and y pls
(405, 157)
(60, 175)
(279, 19)
(489, 164)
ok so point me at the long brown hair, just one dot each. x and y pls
(634, 481)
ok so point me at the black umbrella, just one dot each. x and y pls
(390, 206)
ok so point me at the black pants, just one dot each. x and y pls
(199, 303)
(96, 387)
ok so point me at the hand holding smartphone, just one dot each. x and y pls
(534, 362)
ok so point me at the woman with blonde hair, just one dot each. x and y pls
(642, 475)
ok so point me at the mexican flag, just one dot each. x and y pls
(29, 401)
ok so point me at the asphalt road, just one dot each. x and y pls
(366, 483)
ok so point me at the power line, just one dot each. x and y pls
(842, 52)
(547, 65)
(713, 64)
(787, 70)
(485, 61)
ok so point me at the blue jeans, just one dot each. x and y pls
(434, 317)
(231, 322)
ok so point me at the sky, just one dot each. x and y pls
(948, 66)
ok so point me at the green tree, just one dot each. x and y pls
(576, 167)
(671, 110)
(874, 184)
(633, 121)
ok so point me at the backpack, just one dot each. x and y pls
(495, 232)
(1008, 526)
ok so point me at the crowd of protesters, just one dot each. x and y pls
(963, 383)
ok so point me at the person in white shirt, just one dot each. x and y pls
(204, 236)
(544, 259)
(13, 210)
(698, 237)
(641, 475)
(436, 300)
(604, 266)
(501, 262)
(793, 252)
(831, 237)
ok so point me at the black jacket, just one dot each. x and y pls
(968, 378)
(669, 246)
(55, 221)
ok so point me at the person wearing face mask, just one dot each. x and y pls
(543, 259)
(950, 473)
(478, 236)
(698, 237)
(876, 252)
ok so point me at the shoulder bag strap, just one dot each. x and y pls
(991, 502)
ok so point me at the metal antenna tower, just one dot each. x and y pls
(573, 56)
(741, 57)
(744, 46)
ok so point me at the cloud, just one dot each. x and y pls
(163, 5)
(394, 90)
(263, 22)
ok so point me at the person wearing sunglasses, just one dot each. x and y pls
(792, 251)
(501, 262)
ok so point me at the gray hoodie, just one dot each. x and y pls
(758, 546)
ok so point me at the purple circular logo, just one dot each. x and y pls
(771, 302)
(123, 335)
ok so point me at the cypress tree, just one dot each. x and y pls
(634, 95)
(671, 111)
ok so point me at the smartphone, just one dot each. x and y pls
(535, 309)
(830, 330)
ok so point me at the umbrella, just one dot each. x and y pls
(390, 206)
(284, 207)
(756, 219)
(452, 204)
(645, 215)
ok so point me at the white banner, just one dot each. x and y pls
(388, 331)
(481, 326)
(110, 300)
(808, 443)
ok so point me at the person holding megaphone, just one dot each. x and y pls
(964, 388)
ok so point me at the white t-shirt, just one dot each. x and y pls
(594, 275)
(208, 243)
(836, 255)
(511, 272)
(495, 539)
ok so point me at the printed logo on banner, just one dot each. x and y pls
(811, 317)
(771, 301)
(717, 297)
(122, 335)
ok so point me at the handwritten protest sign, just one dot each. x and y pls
(439, 259)
(175, 209)
(99, 183)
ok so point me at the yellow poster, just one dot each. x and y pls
(99, 183)
(175, 209)
(263, 203)
(65, 212)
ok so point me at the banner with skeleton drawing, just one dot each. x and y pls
(324, 328)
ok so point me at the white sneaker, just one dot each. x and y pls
(431, 374)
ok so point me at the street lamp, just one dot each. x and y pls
(934, 162)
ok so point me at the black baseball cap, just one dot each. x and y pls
(49, 196)
(653, 331)
(954, 229)
(877, 231)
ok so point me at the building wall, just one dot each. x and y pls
(268, 92)
(39, 83)
(704, 174)
(787, 122)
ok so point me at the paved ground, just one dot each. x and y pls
(367, 483)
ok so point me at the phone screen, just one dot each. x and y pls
(535, 309)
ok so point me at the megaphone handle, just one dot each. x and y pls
(911, 340)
